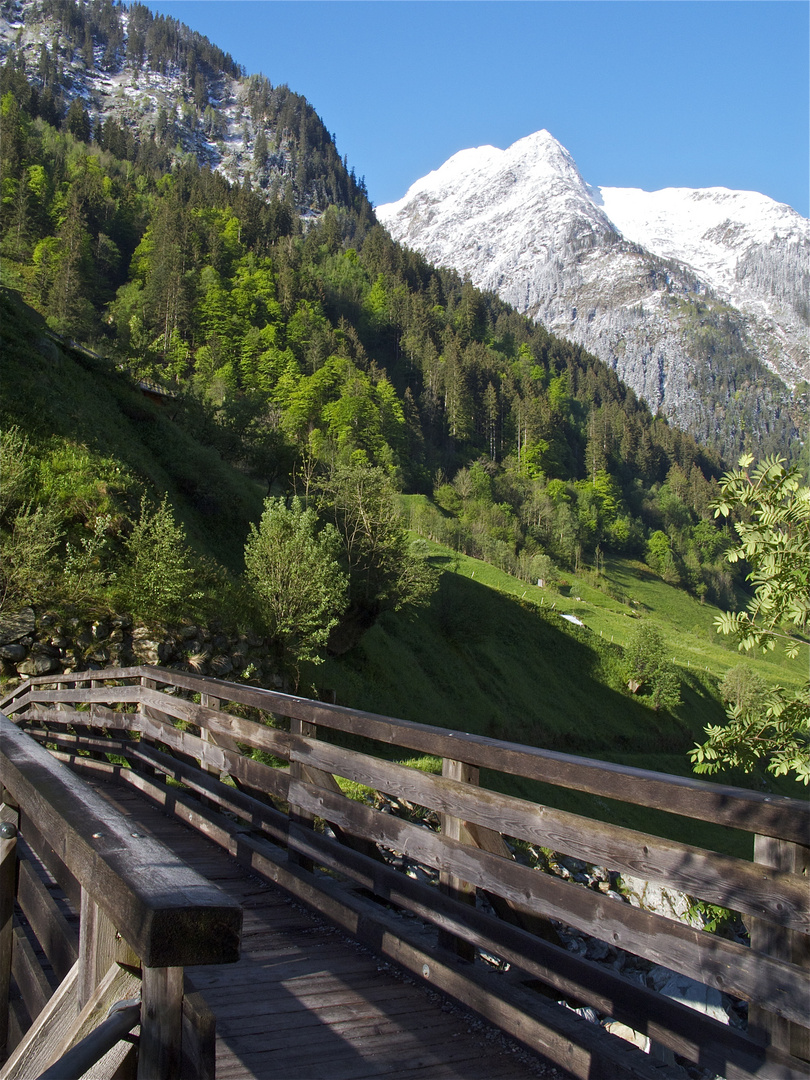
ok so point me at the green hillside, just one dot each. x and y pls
(98, 442)
(492, 656)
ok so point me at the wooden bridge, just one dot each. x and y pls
(179, 848)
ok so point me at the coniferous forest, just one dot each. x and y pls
(292, 344)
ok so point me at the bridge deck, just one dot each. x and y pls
(305, 1002)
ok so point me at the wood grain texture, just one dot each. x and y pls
(36, 1049)
(755, 889)
(56, 936)
(705, 957)
(160, 1048)
(31, 981)
(164, 910)
(8, 875)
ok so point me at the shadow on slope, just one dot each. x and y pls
(59, 393)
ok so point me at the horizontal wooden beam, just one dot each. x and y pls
(720, 879)
(167, 913)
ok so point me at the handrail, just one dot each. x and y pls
(121, 1019)
(172, 736)
(764, 814)
(169, 915)
(141, 909)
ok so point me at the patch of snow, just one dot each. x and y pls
(572, 619)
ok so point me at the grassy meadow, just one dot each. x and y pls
(491, 656)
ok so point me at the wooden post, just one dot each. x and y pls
(100, 945)
(148, 684)
(159, 1050)
(8, 875)
(209, 702)
(782, 943)
(300, 727)
(456, 887)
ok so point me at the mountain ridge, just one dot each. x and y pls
(524, 223)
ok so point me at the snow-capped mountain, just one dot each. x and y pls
(685, 292)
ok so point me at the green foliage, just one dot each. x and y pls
(774, 539)
(385, 572)
(29, 557)
(292, 566)
(158, 580)
(775, 542)
(744, 689)
(649, 671)
(30, 534)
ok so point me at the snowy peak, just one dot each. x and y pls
(485, 203)
(710, 229)
(664, 286)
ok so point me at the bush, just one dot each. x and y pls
(649, 671)
(158, 581)
(292, 567)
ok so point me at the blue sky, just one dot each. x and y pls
(643, 93)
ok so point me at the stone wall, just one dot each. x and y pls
(52, 643)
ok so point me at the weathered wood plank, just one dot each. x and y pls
(219, 723)
(28, 974)
(19, 1020)
(33, 846)
(452, 827)
(254, 773)
(65, 740)
(162, 908)
(782, 942)
(97, 716)
(160, 1049)
(100, 947)
(705, 957)
(8, 876)
(735, 883)
(117, 984)
(257, 814)
(35, 1050)
(198, 1050)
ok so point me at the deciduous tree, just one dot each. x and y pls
(774, 540)
(292, 566)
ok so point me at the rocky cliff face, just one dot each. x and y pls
(159, 80)
(698, 299)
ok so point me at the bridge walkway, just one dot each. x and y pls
(306, 1002)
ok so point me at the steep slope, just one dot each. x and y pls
(751, 251)
(148, 81)
(641, 283)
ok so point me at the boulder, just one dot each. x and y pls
(627, 1033)
(687, 991)
(653, 897)
(17, 626)
(39, 665)
(14, 653)
(220, 666)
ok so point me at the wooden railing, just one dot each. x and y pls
(209, 736)
(143, 916)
